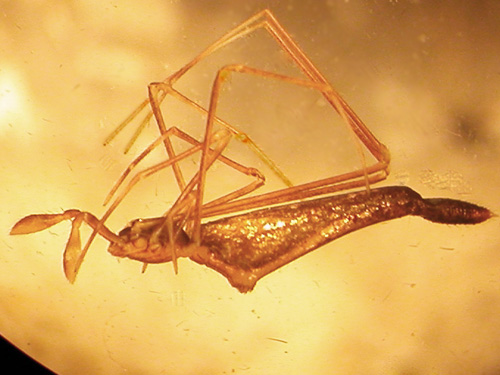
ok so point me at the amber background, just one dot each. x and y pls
(405, 297)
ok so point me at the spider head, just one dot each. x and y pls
(148, 241)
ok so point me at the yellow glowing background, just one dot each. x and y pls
(404, 297)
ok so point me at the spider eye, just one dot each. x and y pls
(125, 232)
(140, 243)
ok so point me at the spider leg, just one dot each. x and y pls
(159, 90)
(125, 122)
(265, 19)
(364, 176)
(219, 141)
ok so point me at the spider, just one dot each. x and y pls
(281, 225)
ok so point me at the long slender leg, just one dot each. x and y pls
(127, 121)
(264, 19)
(218, 141)
(158, 90)
(259, 178)
(138, 177)
(364, 176)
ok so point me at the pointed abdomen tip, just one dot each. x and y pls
(451, 211)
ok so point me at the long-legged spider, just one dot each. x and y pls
(246, 247)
